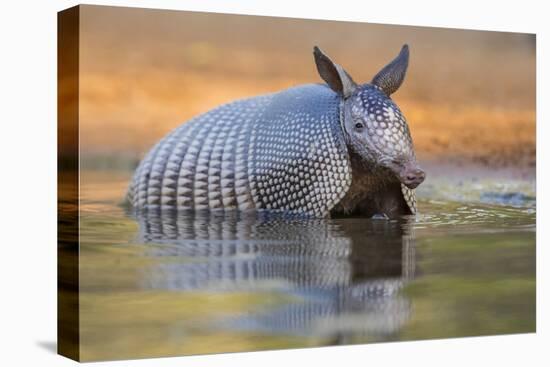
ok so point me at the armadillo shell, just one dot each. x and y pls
(282, 152)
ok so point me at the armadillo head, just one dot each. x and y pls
(374, 127)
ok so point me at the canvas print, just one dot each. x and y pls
(234, 183)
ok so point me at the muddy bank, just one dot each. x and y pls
(446, 132)
(469, 96)
(468, 170)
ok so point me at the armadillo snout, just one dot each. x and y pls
(412, 176)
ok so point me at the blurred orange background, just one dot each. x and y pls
(469, 96)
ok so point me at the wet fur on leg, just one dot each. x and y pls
(373, 191)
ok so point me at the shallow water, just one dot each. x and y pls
(160, 285)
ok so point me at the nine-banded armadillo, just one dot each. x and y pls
(311, 150)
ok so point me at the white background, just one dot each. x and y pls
(28, 182)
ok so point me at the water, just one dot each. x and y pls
(161, 285)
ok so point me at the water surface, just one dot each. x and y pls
(159, 284)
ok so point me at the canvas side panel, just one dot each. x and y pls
(67, 183)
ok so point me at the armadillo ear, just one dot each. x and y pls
(390, 78)
(333, 74)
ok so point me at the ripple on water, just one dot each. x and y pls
(464, 266)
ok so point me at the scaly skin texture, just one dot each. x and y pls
(281, 152)
(312, 150)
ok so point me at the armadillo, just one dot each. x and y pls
(312, 150)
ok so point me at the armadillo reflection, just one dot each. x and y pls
(347, 275)
(313, 150)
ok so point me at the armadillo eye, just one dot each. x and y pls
(358, 125)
